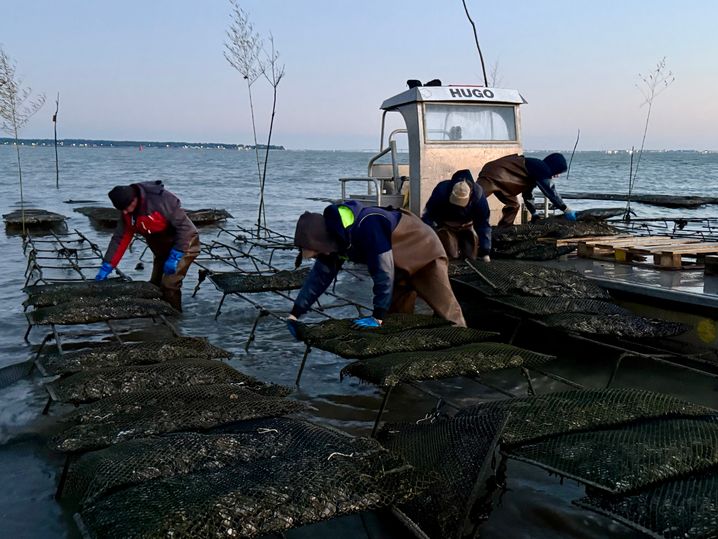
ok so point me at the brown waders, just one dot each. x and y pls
(171, 285)
(430, 283)
(459, 240)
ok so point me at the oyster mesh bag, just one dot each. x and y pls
(614, 325)
(630, 457)
(457, 453)
(88, 310)
(543, 306)
(683, 509)
(97, 384)
(550, 228)
(242, 282)
(33, 217)
(317, 474)
(53, 294)
(365, 344)
(506, 278)
(140, 353)
(12, 373)
(394, 323)
(97, 473)
(532, 418)
(467, 360)
(145, 413)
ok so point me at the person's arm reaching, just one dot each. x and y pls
(481, 216)
(323, 272)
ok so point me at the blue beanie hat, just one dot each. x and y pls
(556, 163)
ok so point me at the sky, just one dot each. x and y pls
(155, 70)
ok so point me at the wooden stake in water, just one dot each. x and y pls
(57, 162)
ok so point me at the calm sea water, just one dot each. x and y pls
(536, 505)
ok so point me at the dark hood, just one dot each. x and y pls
(312, 233)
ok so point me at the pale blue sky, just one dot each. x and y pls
(154, 69)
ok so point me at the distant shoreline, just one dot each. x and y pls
(99, 143)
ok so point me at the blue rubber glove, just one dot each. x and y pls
(104, 272)
(569, 214)
(173, 259)
(366, 323)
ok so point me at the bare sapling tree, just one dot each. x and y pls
(494, 75)
(476, 39)
(17, 106)
(54, 124)
(650, 86)
(274, 74)
(243, 51)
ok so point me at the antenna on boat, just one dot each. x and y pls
(476, 39)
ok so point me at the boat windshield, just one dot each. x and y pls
(469, 122)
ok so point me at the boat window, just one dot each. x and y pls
(474, 122)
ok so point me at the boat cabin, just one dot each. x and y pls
(448, 128)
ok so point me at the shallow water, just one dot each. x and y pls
(536, 505)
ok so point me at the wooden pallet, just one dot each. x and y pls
(666, 253)
(560, 242)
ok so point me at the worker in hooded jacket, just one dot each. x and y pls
(404, 256)
(459, 212)
(149, 209)
(515, 174)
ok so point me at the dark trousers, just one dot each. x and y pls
(171, 285)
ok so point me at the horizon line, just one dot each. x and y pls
(214, 145)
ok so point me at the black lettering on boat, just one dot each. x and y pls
(488, 93)
(477, 93)
(455, 92)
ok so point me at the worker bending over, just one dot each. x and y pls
(514, 175)
(148, 209)
(459, 212)
(404, 256)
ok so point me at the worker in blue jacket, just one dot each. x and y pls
(513, 175)
(404, 256)
(459, 212)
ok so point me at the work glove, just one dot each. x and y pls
(104, 272)
(367, 323)
(486, 258)
(293, 326)
(173, 259)
(569, 214)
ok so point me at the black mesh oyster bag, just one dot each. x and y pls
(145, 413)
(139, 353)
(320, 474)
(97, 384)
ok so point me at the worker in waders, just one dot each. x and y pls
(515, 174)
(404, 256)
(459, 212)
(148, 209)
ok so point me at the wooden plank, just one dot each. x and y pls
(647, 240)
(570, 241)
(668, 260)
(692, 249)
(652, 248)
(617, 239)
